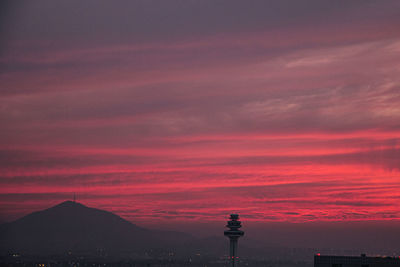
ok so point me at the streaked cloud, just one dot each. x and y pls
(293, 109)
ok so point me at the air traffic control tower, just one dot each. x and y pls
(233, 233)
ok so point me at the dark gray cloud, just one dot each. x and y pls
(136, 19)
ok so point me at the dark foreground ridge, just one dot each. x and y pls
(71, 226)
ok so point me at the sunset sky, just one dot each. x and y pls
(184, 110)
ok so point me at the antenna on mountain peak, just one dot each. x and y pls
(74, 197)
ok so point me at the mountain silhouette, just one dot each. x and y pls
(71, 226)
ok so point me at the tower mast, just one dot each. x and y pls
(233, 234)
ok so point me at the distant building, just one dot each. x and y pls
(355, 261)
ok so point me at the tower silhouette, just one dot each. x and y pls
(233, 234)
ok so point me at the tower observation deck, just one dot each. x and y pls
(233, 234)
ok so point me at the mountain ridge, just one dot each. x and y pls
(73, 226)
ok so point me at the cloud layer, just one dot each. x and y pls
(192, 110)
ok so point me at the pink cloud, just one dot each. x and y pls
(298, 123)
